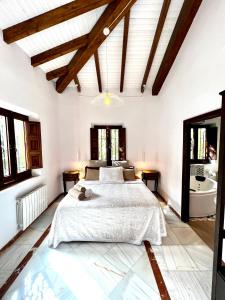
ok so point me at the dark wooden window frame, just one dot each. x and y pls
(14, 177)
(108, 140)
(187, 124)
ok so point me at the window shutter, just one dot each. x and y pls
(94, 143)
(122, 144)
(34, 150)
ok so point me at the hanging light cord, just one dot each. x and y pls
(107, 75)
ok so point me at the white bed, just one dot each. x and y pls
(117, 212)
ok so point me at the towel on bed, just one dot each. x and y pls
(88, 193)
(80, 188)
(76, 194)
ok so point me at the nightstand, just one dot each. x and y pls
(70, 176)
(151, 175)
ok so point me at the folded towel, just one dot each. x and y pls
(76, 194)
(80, 188)
(88, 193)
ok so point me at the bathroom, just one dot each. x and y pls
(204, 141)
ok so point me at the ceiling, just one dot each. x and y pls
(143, 22)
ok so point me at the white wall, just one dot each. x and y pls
(27, 88)
(192, 88)
(138, 115)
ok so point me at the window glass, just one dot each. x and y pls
(192, 143)
(201, 143)
(20, 145)
(4, 146)
(102, 144)
(115, 144)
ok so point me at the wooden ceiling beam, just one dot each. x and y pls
(56, 73)
(183, 24)
(159, 28)
(77, 83)
(112, 15)
(60, 50)
(50, 18)
(124, 51)
(98, 72)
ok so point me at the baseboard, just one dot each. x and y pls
(173, 210)
(11, 241)
(54, 200)
(21, 231)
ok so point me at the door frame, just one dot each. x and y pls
(218, 282)
(185, 203)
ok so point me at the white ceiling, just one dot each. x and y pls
(143, 22)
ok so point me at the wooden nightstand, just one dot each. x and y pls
(151, 175)
(70, 176)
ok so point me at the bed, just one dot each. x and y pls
(117, 212)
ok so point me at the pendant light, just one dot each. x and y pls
(107, 98)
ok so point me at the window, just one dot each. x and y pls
(115, 144)
(102, 144)
(203, 143)
(13, 154)
(108, 143)
(4, 146)
(20, 146)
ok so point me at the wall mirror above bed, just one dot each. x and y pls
(108, 143)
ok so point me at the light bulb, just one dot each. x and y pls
(106, 31)
(107, 100)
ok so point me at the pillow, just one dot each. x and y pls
(120, 163)
(111, 175)
(91, 173)
(97, 163)
(129, 174)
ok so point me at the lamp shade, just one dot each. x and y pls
(107, 99)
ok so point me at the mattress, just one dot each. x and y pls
(117, 212)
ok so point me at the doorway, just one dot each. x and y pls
(200, 173)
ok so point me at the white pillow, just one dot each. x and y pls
(111, 175)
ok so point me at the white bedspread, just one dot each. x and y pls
(121, 212)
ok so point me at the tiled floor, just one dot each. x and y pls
(12, 256)
(109, 271)
(185, 261)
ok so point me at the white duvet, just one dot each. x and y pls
(117, 212)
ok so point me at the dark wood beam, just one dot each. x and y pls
(124, 51)
(50, 18)
(162, 19)
(97, 66)
(60, 50)
(77, 83)
(56, 73)
(112, 15)
(183, 24)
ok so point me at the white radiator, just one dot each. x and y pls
(30, 206)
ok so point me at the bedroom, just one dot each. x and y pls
(154, 141)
